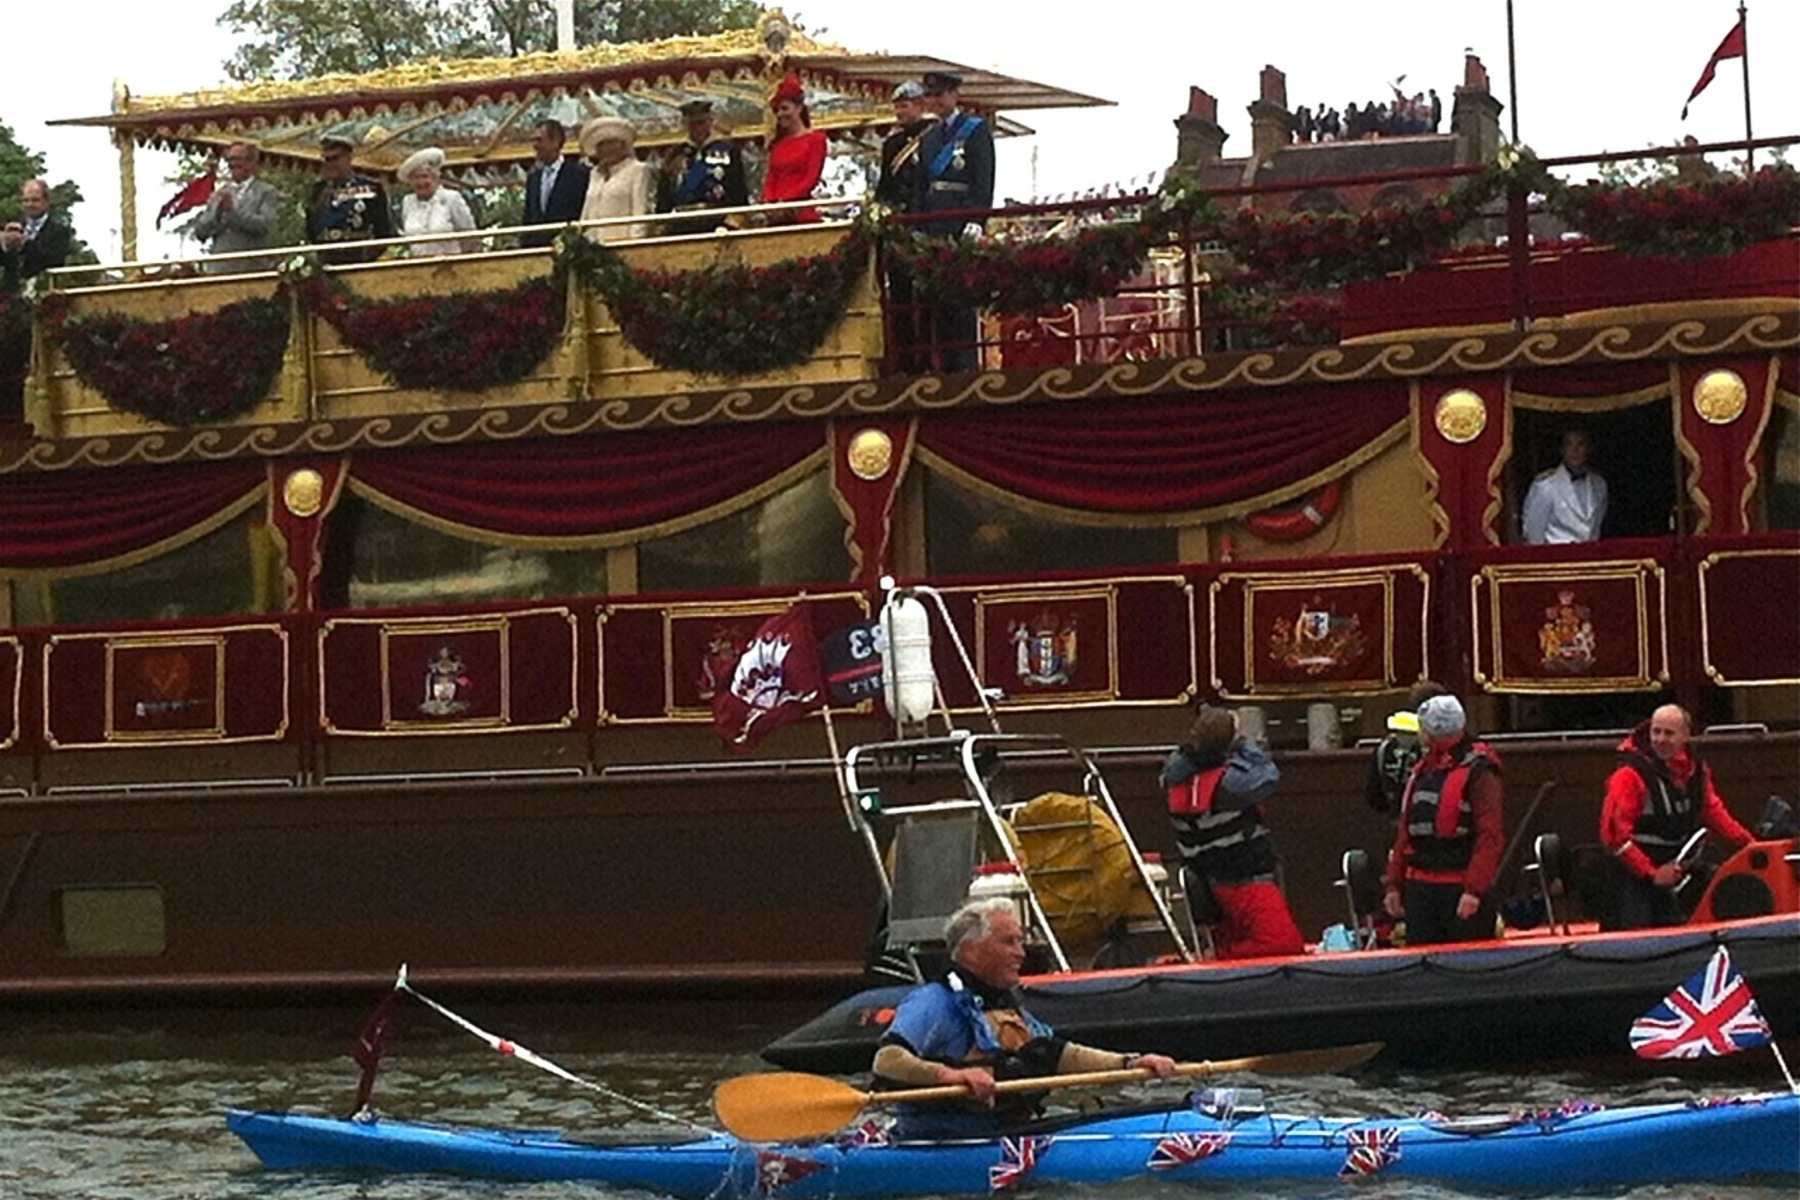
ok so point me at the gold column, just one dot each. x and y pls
(128, 240)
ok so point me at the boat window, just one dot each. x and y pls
(972, 534)
(795, 536)
(1633, 450)
(233, 570)
(378, 559)
(1782, 471)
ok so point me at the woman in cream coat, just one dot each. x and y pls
(431, 207)
(618, 185)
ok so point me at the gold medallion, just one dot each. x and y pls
(870, 455)
(1460, 416)
(1720, 397)
(303, 492)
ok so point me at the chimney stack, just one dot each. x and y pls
(1271, 126)
(1198, 139)
(1475, 116)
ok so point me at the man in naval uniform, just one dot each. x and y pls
(703, 172)
(344, 206)
(898, 189)
(956, 158)
(1568, 502)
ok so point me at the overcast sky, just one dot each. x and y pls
(1592, 74)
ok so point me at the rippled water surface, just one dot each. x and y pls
(130, 1106)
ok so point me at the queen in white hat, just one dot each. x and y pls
(431, 207)
(618, 184)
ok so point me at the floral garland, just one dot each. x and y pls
(210, 366)
(463, 342)
(725, 320)
(1267, 318)
(1715, 216)
(1025, 276)
(15, 354)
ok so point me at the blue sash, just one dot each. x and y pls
(957, 130)
(693, 186)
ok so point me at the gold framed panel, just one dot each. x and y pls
(18, 690)
(1192, 688)
(1706, 660)
(1069, 594)
(672, 713)
(428, 625)
(216, 735)
(1286, 581)
(1636, 570)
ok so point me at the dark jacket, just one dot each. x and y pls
(901, 168)
(956, 170)
(50, 248)
(709, 176)
(567, 195)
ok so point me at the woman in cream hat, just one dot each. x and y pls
(618, 185)
(431, 207)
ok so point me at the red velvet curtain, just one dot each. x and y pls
(1166, 455)
(71, 518)
(575, 488)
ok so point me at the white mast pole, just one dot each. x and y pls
(565, 25)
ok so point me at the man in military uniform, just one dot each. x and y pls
(703, 172)
(344, 206)
(898, 189)
(956, 157)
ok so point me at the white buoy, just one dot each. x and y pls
(908, 681)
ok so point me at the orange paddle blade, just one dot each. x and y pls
(785, 1106)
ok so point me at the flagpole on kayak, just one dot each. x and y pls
(1782, 1063)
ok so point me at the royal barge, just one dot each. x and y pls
(313, 661)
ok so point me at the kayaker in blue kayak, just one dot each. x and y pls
(970, 1029)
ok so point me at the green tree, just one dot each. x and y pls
(298, 39)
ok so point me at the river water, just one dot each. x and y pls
(130, 1106)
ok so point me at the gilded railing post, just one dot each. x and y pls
(38, 411)
(576, 319)
(298, 395)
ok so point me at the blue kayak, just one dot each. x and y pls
(1575, 1146)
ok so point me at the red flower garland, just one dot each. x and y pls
(463, 342)
(202, 367)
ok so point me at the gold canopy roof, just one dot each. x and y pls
(482, 111)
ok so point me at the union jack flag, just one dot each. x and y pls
(1018, 1158)
(1712, 1014)
(876, 1131)
(1184, 1149)
(1371, 1151)
(775, 1170)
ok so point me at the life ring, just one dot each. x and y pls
(1300, 520)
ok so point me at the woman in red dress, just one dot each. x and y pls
(796, 156)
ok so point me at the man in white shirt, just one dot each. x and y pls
(1568, 502)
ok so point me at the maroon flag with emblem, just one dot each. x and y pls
(193, 194)
(777, 680)
(1731, 47)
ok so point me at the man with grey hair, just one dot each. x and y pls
(241, 213)
(1447, 847)
(39, 240)
(1660, 794)
(970, 1029)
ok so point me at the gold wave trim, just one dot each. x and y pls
(1760, 333)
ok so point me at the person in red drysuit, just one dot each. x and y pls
(1658, 796)
(1448, 845)
(1216, 783)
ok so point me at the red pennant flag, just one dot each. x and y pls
(777, 680)
(193, 194)
(1731, 47)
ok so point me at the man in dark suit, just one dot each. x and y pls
(703, 172)
(555, 187)
(345, 206)
(898, 188)
(39, 240)
(957, 159)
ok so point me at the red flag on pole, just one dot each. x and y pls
(777, 680)
(1731, 47)
(193, 194)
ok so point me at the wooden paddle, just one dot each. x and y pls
(786, 1106)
